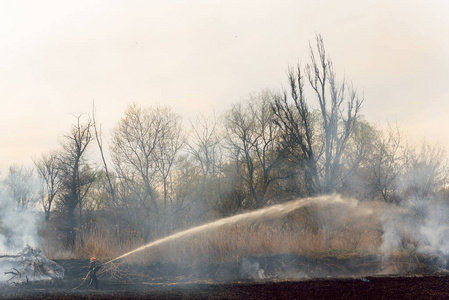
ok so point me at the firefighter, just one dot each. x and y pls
(93, 268)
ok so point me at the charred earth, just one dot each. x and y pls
(275, 277)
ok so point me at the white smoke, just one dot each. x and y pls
(434, 230)
(391, 239)
(420, 224)
(251, 270)
(18, 225)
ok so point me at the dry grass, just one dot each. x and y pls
(235, 242)
(312, 230)
(97, 243)
(225, 244)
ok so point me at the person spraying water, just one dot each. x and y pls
(92, 275)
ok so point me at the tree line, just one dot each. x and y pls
(157, 174)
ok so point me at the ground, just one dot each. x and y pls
(149, 286)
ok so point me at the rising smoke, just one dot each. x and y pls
(21, 261)
(418, 224)
(19, 225)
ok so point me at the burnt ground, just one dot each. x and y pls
(333, 278)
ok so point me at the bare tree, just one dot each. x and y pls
(357, 176)
(99, 139)
(144, 145)
(205, 146)
(338, 123)
(76, 175)
(322, 147)
(47, 167)
(252, 133)
(172, 140)
(424, 172)
(386, 163)
(297, 124)
(167, 152)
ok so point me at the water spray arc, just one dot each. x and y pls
(270, 212)
(340, 223)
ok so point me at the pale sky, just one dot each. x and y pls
(56, 57)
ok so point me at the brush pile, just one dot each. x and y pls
(27, 266)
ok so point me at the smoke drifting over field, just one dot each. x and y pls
(20, 259)
(240, 247)
(371, 234)
(421, 224)
(19, 226)
(416, 224)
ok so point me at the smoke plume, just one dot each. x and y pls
(18, 225)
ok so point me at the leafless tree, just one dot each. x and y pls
(297, 124)
(76, 175)
(168, 149)
(424, 172)
(386, 163)
(99, 138)
(357, 176)
(205, 146)
(47, 167)
(144, 146)
(322, 147)
(251, 132)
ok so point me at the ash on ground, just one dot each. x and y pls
(28, 266)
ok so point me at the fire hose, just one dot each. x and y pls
(84, 280)
(87, 276)
(88, 273)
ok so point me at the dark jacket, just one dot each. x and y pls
(93, 268)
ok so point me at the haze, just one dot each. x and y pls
(57, 57)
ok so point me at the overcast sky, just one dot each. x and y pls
(56, 57)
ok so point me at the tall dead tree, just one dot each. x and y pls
(76, 175)
(320, 136)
